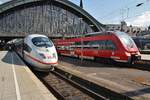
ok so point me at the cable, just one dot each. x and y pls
(124, 10)
(128, 8)
(115, 11)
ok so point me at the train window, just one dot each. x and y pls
(97, 44)
(77, 43)
(42, 42)
(127, 41)
(110, 45)
(85, 42)
(27, 48)
(118, 33)
(92, 43)
(102, 45)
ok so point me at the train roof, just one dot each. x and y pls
(117, 33)
(90, 34)
(99, 33)
(35, 35)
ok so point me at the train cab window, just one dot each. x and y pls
(126, 39)
(110, 45)
(42, 42)
(27, 48)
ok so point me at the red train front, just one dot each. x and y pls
(117, 46)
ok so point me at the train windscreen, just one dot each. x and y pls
(42, 42)
(126, 39)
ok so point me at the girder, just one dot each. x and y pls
(53, 18)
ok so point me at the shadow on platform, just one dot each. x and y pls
(138, 92)
(12, 55)
(86, 63)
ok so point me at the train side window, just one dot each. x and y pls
(85, 42)
(93, 44)
(77, 43)
(27, 48)
(90, 43)
(110, 45)
(101, 44)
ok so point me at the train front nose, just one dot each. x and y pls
(51, 58)
(47, 61)
(136, 56)
(133, 56)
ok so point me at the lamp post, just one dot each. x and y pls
(81, 3)
(81, 39)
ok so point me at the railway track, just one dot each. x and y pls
(142, 64)
(66, 86)
(66, 89)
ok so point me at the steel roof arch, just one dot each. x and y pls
(14, 3)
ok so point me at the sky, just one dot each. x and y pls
(114, 11)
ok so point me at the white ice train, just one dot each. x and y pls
(38, 51)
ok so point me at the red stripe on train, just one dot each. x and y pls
(39, 60)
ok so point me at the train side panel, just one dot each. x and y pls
(113, 45)
(38, 51)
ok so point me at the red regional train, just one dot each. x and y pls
(114, 45)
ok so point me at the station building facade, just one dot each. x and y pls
(131, 30)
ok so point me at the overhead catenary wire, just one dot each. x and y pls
(116, 10)
(126, 9)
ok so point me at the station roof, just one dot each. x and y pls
(76, 9)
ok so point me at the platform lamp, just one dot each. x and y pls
(81, 4)
(91, 25)
(81, 19)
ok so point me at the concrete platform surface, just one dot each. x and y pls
(145, 57)
(17, 82)
(129, 81)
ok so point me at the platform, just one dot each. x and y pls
(128, 81)
(145, 57)
(17, 82)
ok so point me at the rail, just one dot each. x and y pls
(66, 86)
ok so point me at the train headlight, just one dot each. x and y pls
(127, 54)
(138, 53)
(42, 55)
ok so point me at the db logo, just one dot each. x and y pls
(49, 57)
